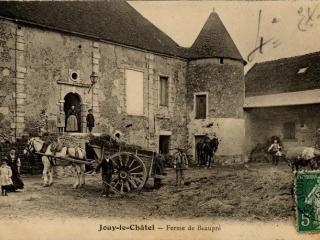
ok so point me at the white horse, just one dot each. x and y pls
(36, 144)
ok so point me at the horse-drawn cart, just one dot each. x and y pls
(133, 166)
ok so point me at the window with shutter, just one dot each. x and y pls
(201, 106)
(134, 92)
(289, 130)
(164, 91)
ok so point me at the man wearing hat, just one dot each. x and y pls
(90, 120)
(107, 170)
(180, 164)
(118, 136)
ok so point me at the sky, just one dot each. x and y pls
(287, 28)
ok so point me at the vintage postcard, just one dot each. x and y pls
(160, 120)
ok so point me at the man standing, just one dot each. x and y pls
(107, 170)
(180, 164)
(43, 122)
(214, 143)
(61, 120)
(199, 148)
(90, 120)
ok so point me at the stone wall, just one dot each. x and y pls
(46, 60)
(224, 85)
(142, 130)
(7, 80)
(263, 123)
(50, 59)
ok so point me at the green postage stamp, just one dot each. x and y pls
(307, 196)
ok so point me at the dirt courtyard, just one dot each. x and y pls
(250, 192)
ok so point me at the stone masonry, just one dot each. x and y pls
(44, 60)
(20, 82)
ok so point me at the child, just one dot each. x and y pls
(107, 170)
(5, 177)
(275, 149)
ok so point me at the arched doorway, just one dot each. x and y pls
(73, 99)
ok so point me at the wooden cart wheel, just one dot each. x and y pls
(130, 172)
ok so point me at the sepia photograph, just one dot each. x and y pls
(160, 120)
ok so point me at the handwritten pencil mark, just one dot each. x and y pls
(262, 42)
(307, 17)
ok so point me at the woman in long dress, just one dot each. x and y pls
(72, 122)
(14, 163)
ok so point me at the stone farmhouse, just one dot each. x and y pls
(282, 99)
(108, 57)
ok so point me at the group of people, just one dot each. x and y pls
(206, 148)
(71, 125)
(10, 180)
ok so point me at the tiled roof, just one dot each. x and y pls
(292, 74)
(120, 23)
(214, 41)
(112, 21)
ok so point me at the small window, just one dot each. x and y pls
(289, 130)
(201, 106)
(163, 91)
(74, 75)
(221, 60)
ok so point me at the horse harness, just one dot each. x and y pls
(53, 160)
(56, 148)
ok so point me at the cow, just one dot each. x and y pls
(302, 157)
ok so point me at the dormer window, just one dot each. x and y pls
(302, 70)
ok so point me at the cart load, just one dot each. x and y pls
(133, 164)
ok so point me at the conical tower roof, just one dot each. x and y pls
(214, 41)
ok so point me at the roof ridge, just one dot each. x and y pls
(101, 15)
(287, 58)
(128, 2)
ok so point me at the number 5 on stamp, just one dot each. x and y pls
(307, 200)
